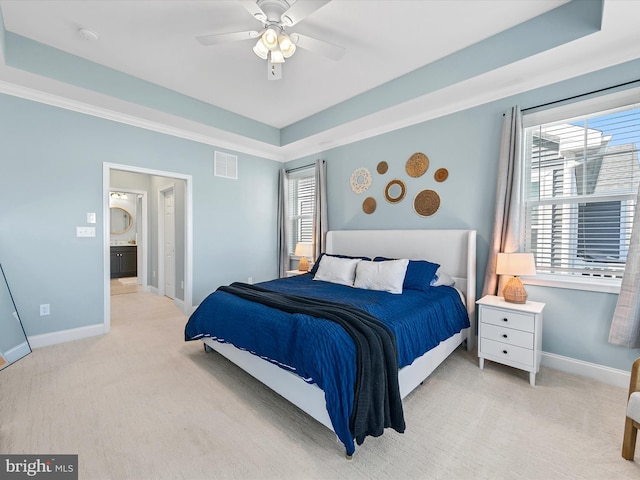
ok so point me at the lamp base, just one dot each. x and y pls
(303, 264)
(514, 291)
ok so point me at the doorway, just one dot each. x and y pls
(167, 193)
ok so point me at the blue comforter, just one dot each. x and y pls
(321, 351)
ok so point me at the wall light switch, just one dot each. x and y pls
(85, 231)
(91, 217)
(44, 309)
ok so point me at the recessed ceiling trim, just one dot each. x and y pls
(523, 76)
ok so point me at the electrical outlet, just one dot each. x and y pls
(44, 309)
(250, 280)
(154, 274)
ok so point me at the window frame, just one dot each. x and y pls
(303, 173)
(585, 107)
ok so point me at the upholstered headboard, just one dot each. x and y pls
(454, 250)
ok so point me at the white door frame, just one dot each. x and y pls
(188, 233)
(161, 217)
(143, 247)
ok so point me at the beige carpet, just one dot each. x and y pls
(120, 286)
(140, 403)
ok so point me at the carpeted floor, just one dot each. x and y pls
(140, 403)
(121, 286)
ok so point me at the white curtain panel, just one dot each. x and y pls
(283, 250)
(320, 221)
(625, 326)
(506, 227)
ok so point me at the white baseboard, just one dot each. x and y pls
(179, 303)
(53, 338)
(17, 352)
(154, 290)
(608, 375)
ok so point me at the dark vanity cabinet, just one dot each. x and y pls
(124, 261)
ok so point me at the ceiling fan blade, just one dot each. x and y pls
(218, 38)
(300, 9)
(252, 7)
(334, 52)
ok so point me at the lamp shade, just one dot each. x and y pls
(515, 264)
(304, 249)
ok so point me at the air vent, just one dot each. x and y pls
(225, 165)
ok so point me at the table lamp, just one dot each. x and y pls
(303, 250)
(515, 264)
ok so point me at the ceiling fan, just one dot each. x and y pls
(273, 44)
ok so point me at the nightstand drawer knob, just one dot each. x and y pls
(505, 319)
(504, 335)
(505, 352)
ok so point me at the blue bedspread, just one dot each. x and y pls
(321, 351)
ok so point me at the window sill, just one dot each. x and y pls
(592, 285)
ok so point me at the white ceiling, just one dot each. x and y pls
(384, 40)
(155, 41)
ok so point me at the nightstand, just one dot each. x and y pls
(293, 273)
(510, 333)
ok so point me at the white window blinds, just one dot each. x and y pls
(302, 190)
(581, 181)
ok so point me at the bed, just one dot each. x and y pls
(220, 321)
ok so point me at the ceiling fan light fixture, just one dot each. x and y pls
(287, 47)
(260, 50)
(277, 56)
(270, 38)
(286, 20)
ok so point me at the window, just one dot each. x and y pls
(302, 193)
(581, 179)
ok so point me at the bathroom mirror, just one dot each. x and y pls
(121, 220)
(13, 339)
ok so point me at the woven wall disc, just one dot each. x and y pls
(369, 205)
(417, 164)
(426, 203)
(360, 180)
(393, 197)
(382, 168)
(441, 175)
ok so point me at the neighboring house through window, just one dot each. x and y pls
(581, 177)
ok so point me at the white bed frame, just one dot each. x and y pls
(454, 250)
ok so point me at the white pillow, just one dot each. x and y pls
(387, 276)
(442, 278)
(337, 270)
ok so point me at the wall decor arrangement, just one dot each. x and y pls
(425, 203)
(360, 180)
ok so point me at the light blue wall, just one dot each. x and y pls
(467, 144)
(51, 163)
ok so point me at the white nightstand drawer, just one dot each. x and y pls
(506, 318)
(507, 335)
(506, 351)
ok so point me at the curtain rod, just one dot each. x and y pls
(300, 168)
(582, 95)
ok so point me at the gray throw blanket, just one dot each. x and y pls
(377, 403)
